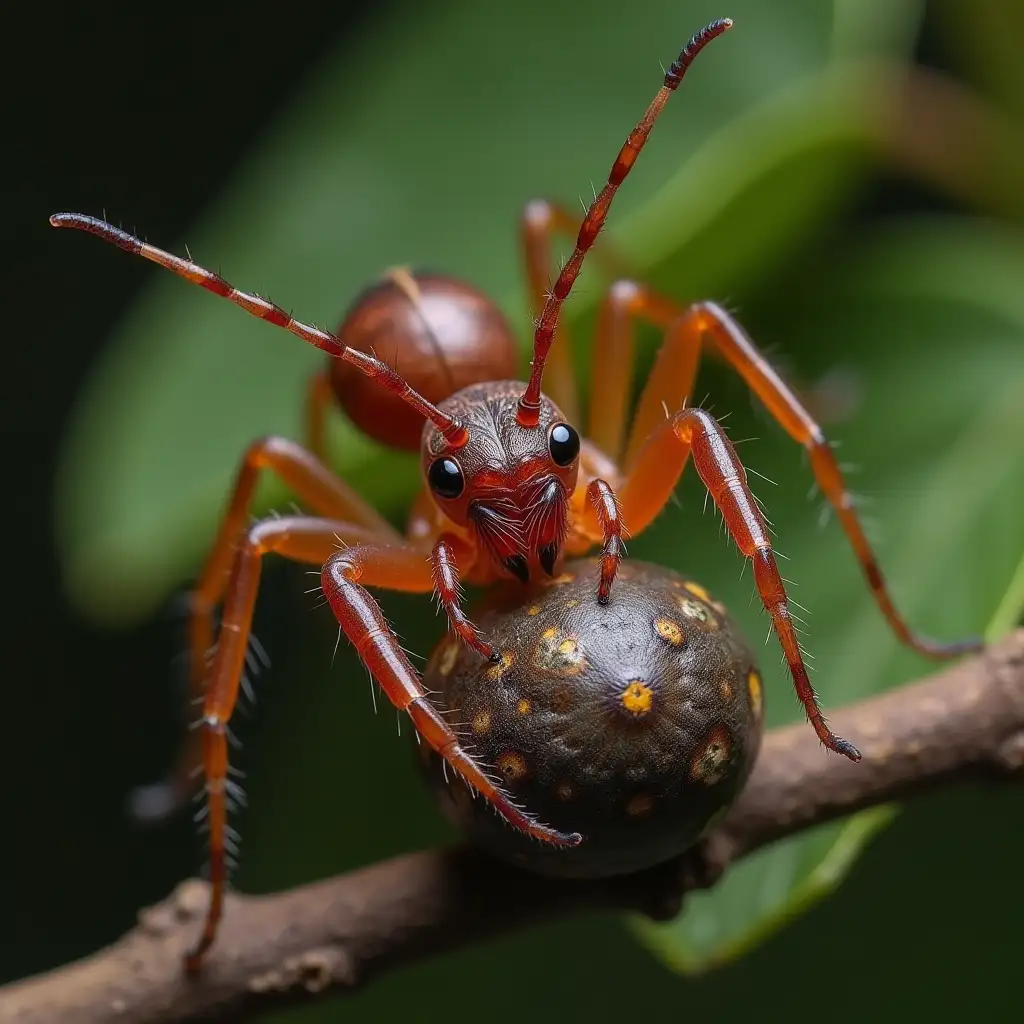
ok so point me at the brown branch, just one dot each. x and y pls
(966, 722)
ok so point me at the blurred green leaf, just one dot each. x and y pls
(421, 145)
(982, 39)
(933, 314)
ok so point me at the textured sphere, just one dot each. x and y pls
(634, 723)
(439, 333)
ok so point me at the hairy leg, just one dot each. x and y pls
(645, 490)
(670, 385)
(325, 494)
(345, 574)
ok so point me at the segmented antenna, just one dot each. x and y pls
(528, 412)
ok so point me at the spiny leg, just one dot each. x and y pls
(671, 380)
(363, 622)
(395, 567)
(710, 320)
(671, 383)
(693, 431)
(301, 539)
(313, 483)
(529, 405)
(359, 615)
(326, 494)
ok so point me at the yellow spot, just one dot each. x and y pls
(564, 791)
(710, 762)
(523, 707)
(448, 657)
(560, 581)
(558, 653)
(638, 697)
(695, 610)
(668, 630)
(572, 603)
(726, 688)
(498, 670)
(512, 765)
(534, 609)
(640, 806)
(754, 689)
(698, 591)
(481, 721)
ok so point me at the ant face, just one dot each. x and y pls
(508, 484)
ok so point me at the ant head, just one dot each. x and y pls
(508, 483)
(498, 458)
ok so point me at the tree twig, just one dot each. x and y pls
(966, 722)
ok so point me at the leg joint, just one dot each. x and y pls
(624, 293)
(538, 213)
(261, 452)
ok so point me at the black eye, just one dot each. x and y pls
(563, 443)
(445, 478)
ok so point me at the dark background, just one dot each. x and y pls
(147, 108)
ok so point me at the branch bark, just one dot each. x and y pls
(964, 723)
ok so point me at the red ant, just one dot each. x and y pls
(511, 488)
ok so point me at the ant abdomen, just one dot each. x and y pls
(440, 333)
(633, 723)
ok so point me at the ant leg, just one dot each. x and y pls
(326, 494)
(676, 366)
(301, 539)
(397, 566)
(661, 462)
(345, 575)
(316, 485)
(319, 399)
(671, 383)
(742, 354)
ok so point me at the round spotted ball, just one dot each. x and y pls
(633, 723)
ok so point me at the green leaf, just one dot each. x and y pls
(983, 41)
(932, 314)
(421, 147)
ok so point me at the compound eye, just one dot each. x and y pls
(563, 443)
(446, 478)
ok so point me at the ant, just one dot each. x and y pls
(511, 487)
